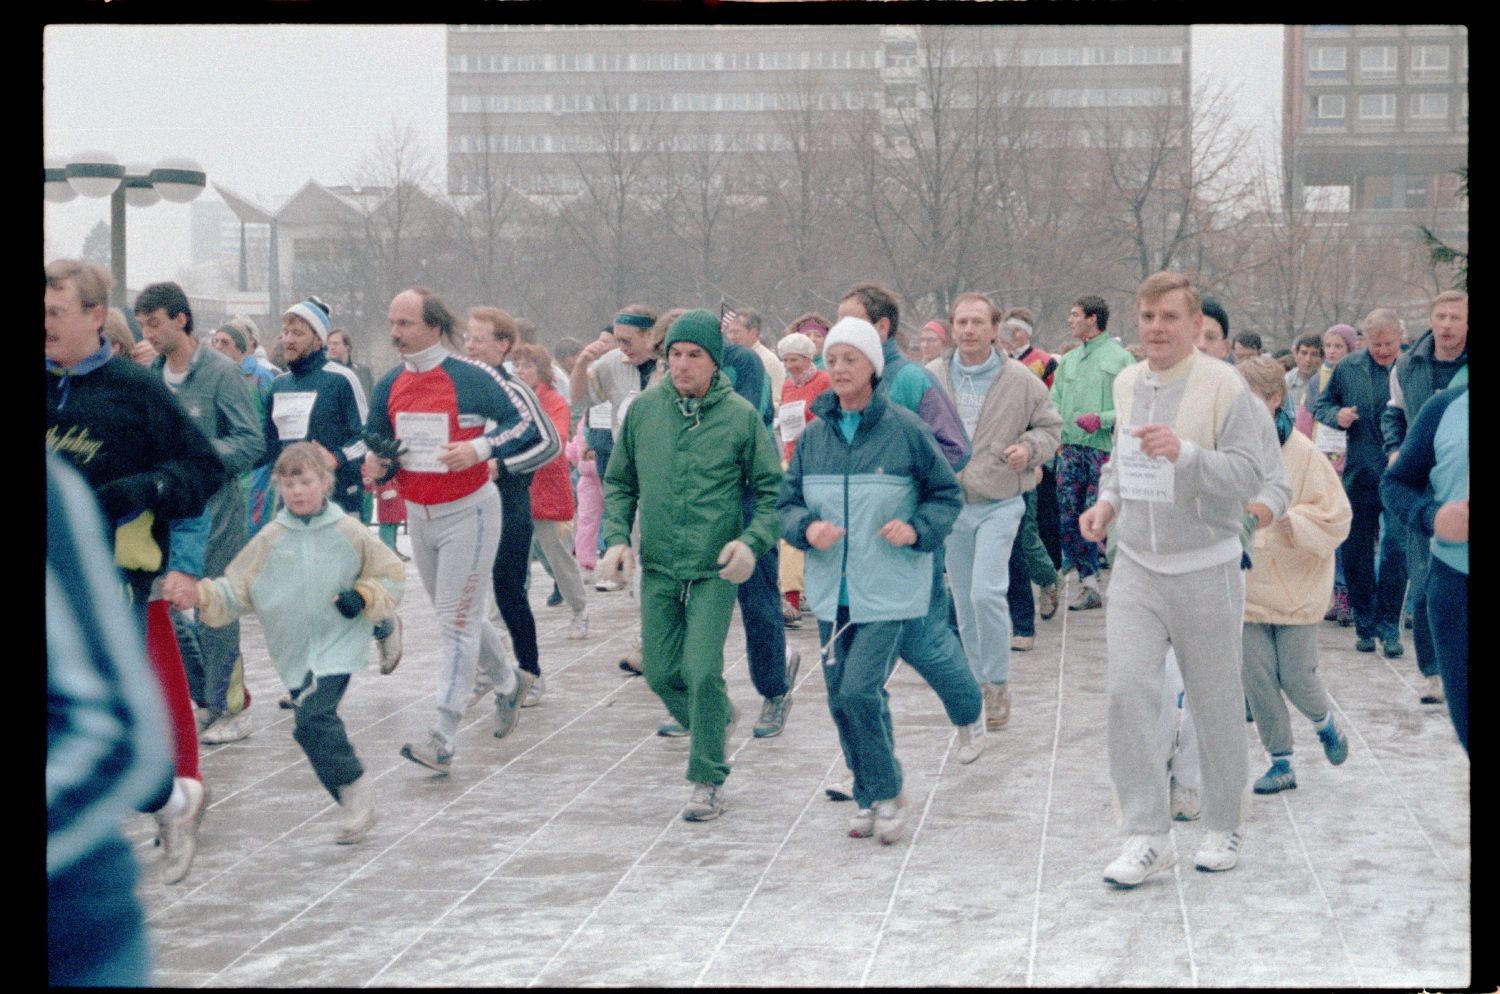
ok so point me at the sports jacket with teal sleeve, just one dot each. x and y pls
(892, 470)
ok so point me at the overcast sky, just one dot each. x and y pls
(263, 108)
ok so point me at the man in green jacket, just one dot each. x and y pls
(687, 452)
(1082, 393)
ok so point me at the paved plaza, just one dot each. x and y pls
(557, 857)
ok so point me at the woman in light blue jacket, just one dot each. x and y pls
(869, 497)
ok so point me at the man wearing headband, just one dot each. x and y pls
(216, 397)
(610, 373)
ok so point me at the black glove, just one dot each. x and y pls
(124, 497)
(388, 448)
(349, 602)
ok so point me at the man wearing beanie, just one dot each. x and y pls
(214, 393)
(687, 451)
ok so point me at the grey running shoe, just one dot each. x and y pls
(433, 754)
(706, 804)
(508, 706)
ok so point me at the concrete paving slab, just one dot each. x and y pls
(557, 857)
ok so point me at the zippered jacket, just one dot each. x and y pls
(892, 469)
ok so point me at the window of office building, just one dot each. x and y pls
(1377, 108)
(1377, 62)
(1327, 110)
(1429, 61)
(1327, 62)
(1429, 108)
(1416, 192)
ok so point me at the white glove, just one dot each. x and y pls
(738, 562)
(611, 561)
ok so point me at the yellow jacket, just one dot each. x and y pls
(1293, 557)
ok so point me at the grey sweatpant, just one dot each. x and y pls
(455, 553)
(1199, 615)
(1282, 658)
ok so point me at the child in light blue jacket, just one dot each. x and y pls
(317, 578)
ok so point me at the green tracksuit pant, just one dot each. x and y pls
(683, 627)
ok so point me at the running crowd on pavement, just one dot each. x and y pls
(929, 504)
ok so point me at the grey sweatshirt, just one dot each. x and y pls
(1230, 456)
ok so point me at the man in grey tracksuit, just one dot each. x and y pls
(1189, 463)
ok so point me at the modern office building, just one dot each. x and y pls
(543, 94)
(1379, 109)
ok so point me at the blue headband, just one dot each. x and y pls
(635, 320)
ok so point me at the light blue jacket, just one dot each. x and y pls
(290, 573)
(893, 469)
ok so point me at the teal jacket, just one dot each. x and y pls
(1084, 384)
(687, 473)
(892, 469)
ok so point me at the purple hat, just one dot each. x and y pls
(1345, 332)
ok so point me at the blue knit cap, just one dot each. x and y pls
(315, 316)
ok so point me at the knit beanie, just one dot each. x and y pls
(1345, 332)
(934, 326)
(236, 335)
(796, 344)
(860, 334)
(701, 327)
(313, 313)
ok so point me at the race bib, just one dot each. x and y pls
(602, 415)
(1334, 441)
(424, 436)
(1141, 476)
(792, 419)
(290, 412)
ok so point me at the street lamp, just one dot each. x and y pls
(99, 174)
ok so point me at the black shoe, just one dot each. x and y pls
(1392, 647)
(1365, 643)
(555, 598)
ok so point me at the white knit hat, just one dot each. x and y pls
(796, 344)
(861, 335)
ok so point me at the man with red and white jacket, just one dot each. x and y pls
(448, 415)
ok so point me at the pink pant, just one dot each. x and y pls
(590, 516)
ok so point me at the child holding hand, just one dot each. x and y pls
(317, 578)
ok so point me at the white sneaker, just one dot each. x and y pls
(482, 687)
(1185, 803)
(578, 628)
(533, 695)
(971, 741)
(179, 836)
(1220, 851)
(889, 821)
(204, 716)
(228, 728)
(996, 705)
(357, 807)
(1142, 856)
(1432, 690)
(862, 823)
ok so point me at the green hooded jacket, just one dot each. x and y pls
(688, 474)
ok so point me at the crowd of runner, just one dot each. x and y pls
(929, 504)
